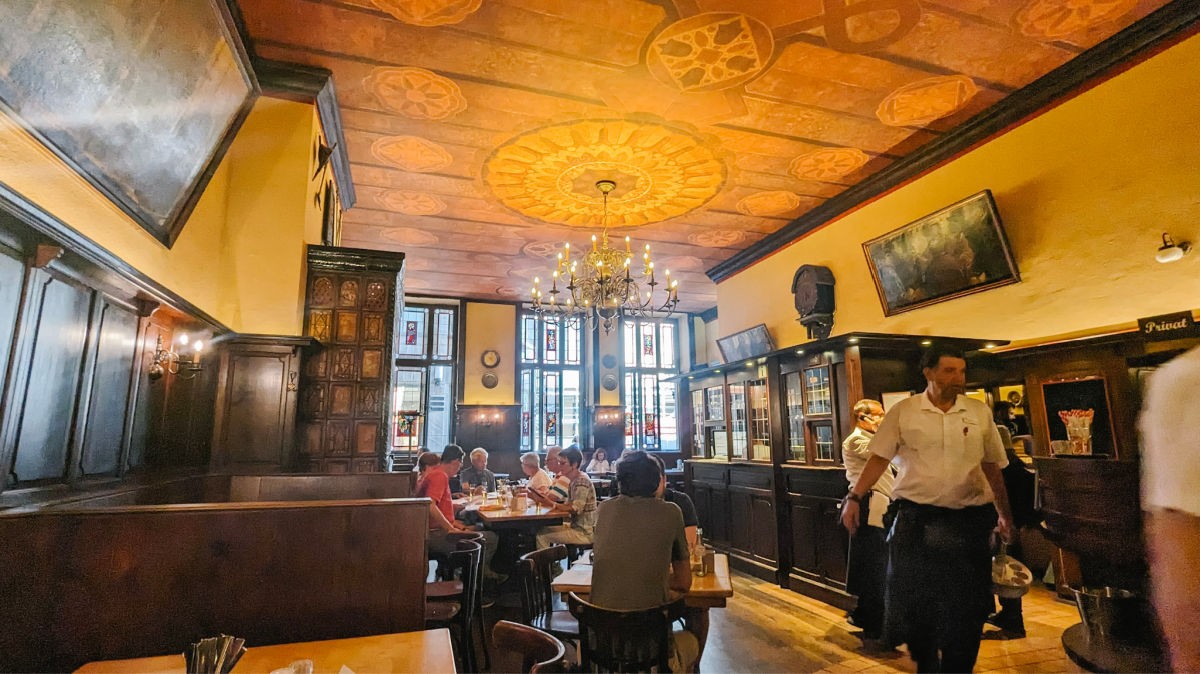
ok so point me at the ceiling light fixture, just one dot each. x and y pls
(1170, 251)
(603, 285)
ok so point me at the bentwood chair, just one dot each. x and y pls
(623, 641)
(465, 565)
(542, 653)
(536, 570)
(450, 589)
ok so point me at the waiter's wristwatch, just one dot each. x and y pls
(851, 496)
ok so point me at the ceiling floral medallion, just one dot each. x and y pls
(717, 238)
(1056, 19)
(711, 51)
(415, 93)
(409, 202)
(828, 164)
(411, 153)
(546, 249)
(409, 236)
(429, 12)
(549, 174)
(923, 101)
(769, 203)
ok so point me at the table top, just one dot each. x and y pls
(713, 587)
(534, 513)
(427, 651)
(1094, 655)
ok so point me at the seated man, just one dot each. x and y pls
(642, 571)
(561, 484)
(477, 473)
(436, 485)
(580, 504)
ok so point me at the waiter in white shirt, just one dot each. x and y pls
(866, 568)
(948, 497)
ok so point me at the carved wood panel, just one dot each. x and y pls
(350, 310)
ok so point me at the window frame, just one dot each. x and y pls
(634, 433)
(531, 398)
(426, 362)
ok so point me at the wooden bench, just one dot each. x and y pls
(86, 580)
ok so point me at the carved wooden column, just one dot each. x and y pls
(350, 309)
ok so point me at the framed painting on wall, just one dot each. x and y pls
(746, 344)
(141, 99)
(956, 251)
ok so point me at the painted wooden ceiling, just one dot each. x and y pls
(477, 129)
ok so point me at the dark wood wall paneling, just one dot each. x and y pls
(350, 309)
(496, 428)
(76, 339)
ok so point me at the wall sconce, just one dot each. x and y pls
(609, 417)
(488, 418)
(184, 366)
(1170, 251)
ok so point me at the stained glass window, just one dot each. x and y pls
(649, 349)
(423, 381)
(550, 378)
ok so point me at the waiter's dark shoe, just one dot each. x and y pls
(1003, 635)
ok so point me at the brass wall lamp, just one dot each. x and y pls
(179, 363)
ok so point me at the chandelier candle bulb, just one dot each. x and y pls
(627, 250)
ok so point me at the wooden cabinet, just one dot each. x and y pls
(766, 440)
(257, 384)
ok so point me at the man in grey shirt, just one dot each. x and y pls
(640, 552)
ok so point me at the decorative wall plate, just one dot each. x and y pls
(609, 382)
(490, 358)
(489, 380)
(608, 360)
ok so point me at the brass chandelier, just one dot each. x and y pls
(604, 286)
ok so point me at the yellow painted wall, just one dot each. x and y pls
(240, 255)
(1085, 192)
(490, 326)
(609, 345)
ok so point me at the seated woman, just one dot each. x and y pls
(599, 464)
(580, 504)
(539, 479)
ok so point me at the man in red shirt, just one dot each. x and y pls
(436, 486)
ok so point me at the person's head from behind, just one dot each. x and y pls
(945, 370)
(570, 460)
(599, 454)
(479, 458)
(452, 459)
(1002, 412)
(531, 463)
(867, 414)
(427, 460)
(639, 475)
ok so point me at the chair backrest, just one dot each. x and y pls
(541, 651)
(466, 564)
(623, 641)
(534, 569)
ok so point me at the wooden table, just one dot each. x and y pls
(708, 591)
(533, 516)
(428, 651)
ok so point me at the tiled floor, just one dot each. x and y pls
(769, 629)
